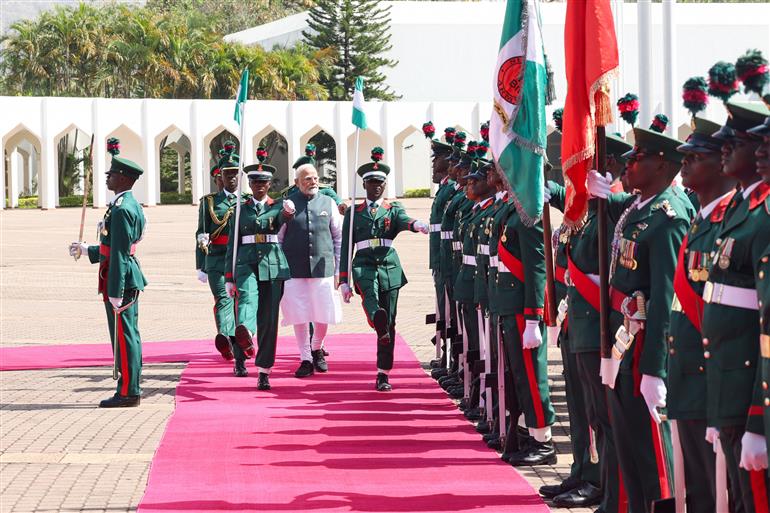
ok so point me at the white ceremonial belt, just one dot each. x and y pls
(259, 238)
(435, 227)
(501, 268)
(374, 243)
(457, 245)
(446, 235)
(482, 249)
(728, 295)
(469, 260)
(494, 261)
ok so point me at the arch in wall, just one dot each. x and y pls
(22, 169)
(214, 141)
(326, 154)
(411, 160)
(368, 139)
(277, 148)
(173, 162)
(131, 148)
(72, 151)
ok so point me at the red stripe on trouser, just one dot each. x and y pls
(123, 357)
(638, 343)
(622, 497)
(360, 293)
(528, 355)
(660, 461)
(759, 490)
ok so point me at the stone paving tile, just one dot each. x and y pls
(60, 453)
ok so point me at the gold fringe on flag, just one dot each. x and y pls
(603, 105)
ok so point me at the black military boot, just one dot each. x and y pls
(536, 453)
(319, 361)
(244, 341)
(382, 382)
(222, 343)
(305, 369)
(264, 381)
(120, 401)
(551, 491)
(240, 369)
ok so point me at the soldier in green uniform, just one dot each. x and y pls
(701, 173)
(377, 273)
(439, 153)
(762, 276)
(730, 324)
(326, 190)
(212, 237)
(120, 277)
(260, 269)
(649, 228)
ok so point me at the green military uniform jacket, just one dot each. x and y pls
(213, 215)
(731, 333)
(763, 291)
(267, 257)
(448, 220)
(646, 245)
(463, 214)
(121, 229)
(378, 262)
(444, 194)
(525, 244)
(481, 289)
(686, 364)
(465, 282)
(495, 225)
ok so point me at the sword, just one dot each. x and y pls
(466, 366)
(721, 479)
(488, 369)
(116, 312)
(484, 356)
(86, 179)
(679, 477)
(500, 384)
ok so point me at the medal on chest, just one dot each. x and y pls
(627, 254)
(725, 253)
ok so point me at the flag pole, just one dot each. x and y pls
(352, 212)
(604, 268)
(242, 108)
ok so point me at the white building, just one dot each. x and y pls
(446, 53)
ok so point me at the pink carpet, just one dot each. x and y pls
(324, 443)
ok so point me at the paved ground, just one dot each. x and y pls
(60, 453)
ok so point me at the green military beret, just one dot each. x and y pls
(307, 158)
(741, 118)
(374, 170)
(652, 141)
(120, 165)
(701, 140)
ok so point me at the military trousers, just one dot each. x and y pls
(372, 299)
(126, 343)
(224, 306)
(257, 306)
(749, 490)
(581, 436)
(643, 446)
(530, 373)
(511, 399)
(699, 465)
(614, 498)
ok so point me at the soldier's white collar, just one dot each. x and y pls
(376, 203)
(256, 201)
(118, 195)
(747, 191)
(705, 212)
(641, 204)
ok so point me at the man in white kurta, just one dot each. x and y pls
(311, 242)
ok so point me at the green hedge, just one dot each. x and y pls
(174, 198)
(28, 202)
(64, 201)
(417, 193)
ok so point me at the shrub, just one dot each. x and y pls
(417, 193)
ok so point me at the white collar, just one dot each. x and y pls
(748, 190)
(641, 204)
(376, 203)
(706, 211)
(257, 202)
(118, 195)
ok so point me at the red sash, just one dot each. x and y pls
(559, 275)
(692, 303)
(583, 284)
(220, 240)
(511, 262)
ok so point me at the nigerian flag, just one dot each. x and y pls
(242, 95)
(359, 118)
(517, 132)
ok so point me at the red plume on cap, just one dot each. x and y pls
(310, 150)
(377, 155)
(695, 95)
(428, 130)
(113, 146)
(449, 135)
(659, 123)
(629, 108)
(484, 131)
(261, 156)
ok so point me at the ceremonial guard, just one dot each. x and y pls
(649, 228)
(212, 237)
(702, 174)
(377, 273)
(120, 277)
(730, 324)
(260, 268)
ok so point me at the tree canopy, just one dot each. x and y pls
(159, 51)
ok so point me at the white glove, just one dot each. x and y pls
(532, 337)
(78, 248)
(203, 239)
(116, 301)
(598, 185)
(653, 390)
(421, 227)
(546, 194)
(712, 437)
(230, 289)
(288, 207)
(347, 292)
(202, 277)
(753, 451)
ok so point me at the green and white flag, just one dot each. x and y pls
(242, 95)
(517, 131)
(359, 118)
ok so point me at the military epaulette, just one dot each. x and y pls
(665, 205)
(397, 204)
(209, 195)
(119, 201)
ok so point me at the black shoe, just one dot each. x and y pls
(120, 401)
(243, 339)
(305, 369)
(382, 382)
(438, 373)
(474, 414)
(490, 436)
(240, 369)
(380, 322)
(584, 495)
(551, 491)
(495, 444)
(222, 343)
(319, 362)
(456, 392)
(264, 382)
(326, 353)
(483, 428)
(537, 453)
(435, 364)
